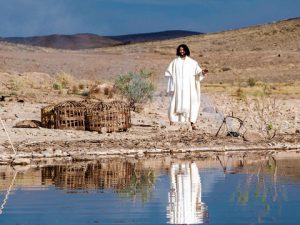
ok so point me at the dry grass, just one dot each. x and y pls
(258, 89)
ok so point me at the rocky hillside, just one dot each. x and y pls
(268, 53)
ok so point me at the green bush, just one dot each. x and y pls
(136, 87)
(57, 86)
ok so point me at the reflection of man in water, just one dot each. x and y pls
(185, 206)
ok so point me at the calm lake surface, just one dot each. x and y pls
(222, 190)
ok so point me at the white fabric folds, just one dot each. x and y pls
(184, 76)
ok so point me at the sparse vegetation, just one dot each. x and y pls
(251, 82)
(240, 93)
(256, 90)
(16, 84)
(75, 89)
(63, 80)
(264, 112)
(84, 84)
(57, 86)
(260, 109)
(267, 115)
(136, 87)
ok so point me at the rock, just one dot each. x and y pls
(2, 149)
(209, 109)
(48, 153)
(37, 155)
(224, 69)
(103, 130)
(58, 152)
(28, 124)
(180, 145)
(252, 137)
(167, 144)
(21, 161)
(162, 124)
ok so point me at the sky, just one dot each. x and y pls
(23, 18)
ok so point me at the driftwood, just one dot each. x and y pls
(28, 124)
(2, 97)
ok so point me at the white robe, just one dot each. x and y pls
(184, 80)
(185, 204)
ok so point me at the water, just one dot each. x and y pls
(220, 190)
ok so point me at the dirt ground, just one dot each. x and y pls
(150, 131)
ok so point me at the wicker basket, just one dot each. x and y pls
(108, 117)
(47, 116)
(70, 115)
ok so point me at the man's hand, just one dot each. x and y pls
(205, 71)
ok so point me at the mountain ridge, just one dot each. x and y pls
(90, 40)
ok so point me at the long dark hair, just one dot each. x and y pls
(185, 48)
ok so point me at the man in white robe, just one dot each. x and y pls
(184, 75)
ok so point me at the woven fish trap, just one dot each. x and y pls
(69, 115)
(47, 116)
(108, 117)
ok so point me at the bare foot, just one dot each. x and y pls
(193, 126)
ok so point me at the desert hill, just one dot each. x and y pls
(154, 36)
(86, 41)
(268, 53)
(77, 41)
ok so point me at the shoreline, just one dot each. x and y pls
(73, 152)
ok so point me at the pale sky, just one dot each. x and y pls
(117, 17)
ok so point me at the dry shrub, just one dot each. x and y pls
(81, 86)
(261, 113)
(75, 89)
(251, 82)
(102, 91)
(240, 93)
(63, 80)
(84, 84)
(265, 112)
(16, 84)
(95, 89)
